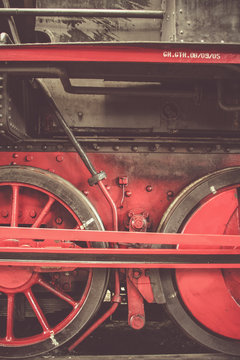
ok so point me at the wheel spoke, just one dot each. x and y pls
(58, 293)
(43, 213)
(15, 205)
(10, 315)
(37, 310)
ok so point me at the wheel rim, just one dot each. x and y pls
(206, 302)
(30, 296)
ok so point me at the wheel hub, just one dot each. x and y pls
(14, 279)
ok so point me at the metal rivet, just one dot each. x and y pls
(86, 192)
(32, 213)
(134, 148)
(28, 158)
(80, 115)
(15, 156)
(155, 147)
(96, 147)
(128, 193)
(149, 188)
(170, 194)
(59, 158)
(116, 148)
(4, 213)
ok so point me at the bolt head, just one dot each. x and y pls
(136, 273)
(137, 223)
(66, 286)
(4, 213)
(32, 213)
(130, 213)
(137, 322)
(58, 220)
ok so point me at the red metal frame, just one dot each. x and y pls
(51, 247)
(65, 235)
(142, 53)
(139, 53)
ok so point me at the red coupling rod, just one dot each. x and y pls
(116, 299)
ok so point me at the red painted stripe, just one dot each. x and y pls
(200, 54)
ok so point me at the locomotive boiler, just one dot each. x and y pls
(119, 168)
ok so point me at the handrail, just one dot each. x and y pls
(147, 14)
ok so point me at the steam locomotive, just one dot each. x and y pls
(119, 168)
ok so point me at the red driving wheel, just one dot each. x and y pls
(209, 293)
(42, 308)
(206, 302)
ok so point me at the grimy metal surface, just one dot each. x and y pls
(207, 356)
(142, 182)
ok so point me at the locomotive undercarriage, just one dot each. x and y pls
(51, 279)
(119, 172)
